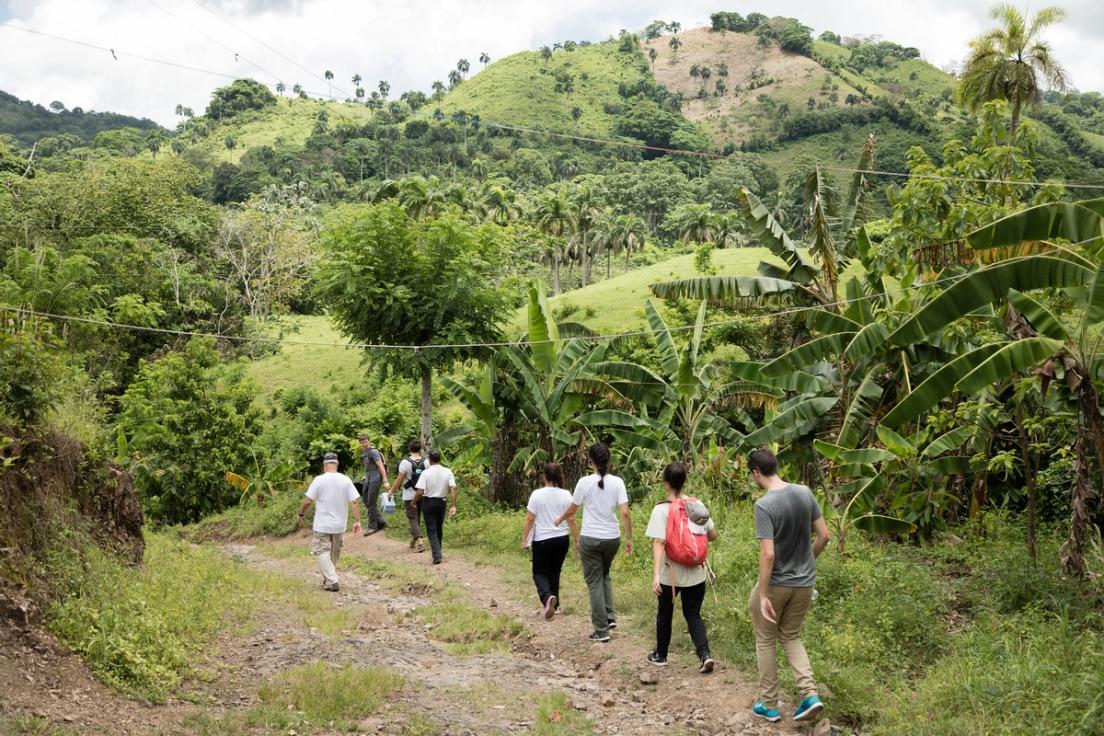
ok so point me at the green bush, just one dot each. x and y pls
(31, 369)
(278, 518)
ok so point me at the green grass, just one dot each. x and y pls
(278, 518)
(514, 89)
(909, 640)
(32, 726)
(465, 628)
(929, 80)
(308, 365)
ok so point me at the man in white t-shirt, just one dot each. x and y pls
(436, 483)
(333, 494)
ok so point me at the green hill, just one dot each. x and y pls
(28, 122)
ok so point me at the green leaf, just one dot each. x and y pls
(1041, 318)
(811, 352)
(986, 286)
(726, 288)
(1009, 360)
(765, 230)
(668, 352)
(1094, 311)
(949, 441)
(865, 456)
(821, 320)
(1078, 222)
(937, 387)
(543, 331)
(895, 443)
(636, 439)
(869, 339)
(948, 465)
(789, 420)
(882, 524)
(863, 403)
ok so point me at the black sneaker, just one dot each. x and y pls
(599, 638)
(370, 531)
(437, 561)
(611, 624)
(706, 664)
(330, 588)
(657, 660)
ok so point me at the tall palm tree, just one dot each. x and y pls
(384, 88)
(554, 217)
(454, 78)
(438, 88)
(463, 66)
(329, 82)
(652, 54)
(585, 208)
(356, 80)
(484, 58)
(675, 43)
(1010, 62)
(280, 87)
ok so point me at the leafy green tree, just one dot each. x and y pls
(190, 417)
(1011, 62)
(389, 278)
(675, 43)
(484, 58)
(463, 67)
(692, 223)
(237, 97)
(554, 216)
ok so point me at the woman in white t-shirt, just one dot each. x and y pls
(604, 495)
(549, 541)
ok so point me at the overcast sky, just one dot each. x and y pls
(410, 43)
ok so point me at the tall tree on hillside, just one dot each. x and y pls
(554, 217)
(384, 88)
(675, 45)
(1010, 62)
(297, 90)
(546, 53)
(463, 66)
(356, 80)
(484, 58)
(438, 88)
(329, 82)
(280, 88)
(652, 54)
(370, 277)
(585, 208)
(454, 78)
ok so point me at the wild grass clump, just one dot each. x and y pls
(278, 518)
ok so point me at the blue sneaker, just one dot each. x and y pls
(771, 714)
(809, 707)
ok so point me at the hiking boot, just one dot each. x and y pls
(809, 707)
(657, 660)
(550, 607)
(419, 547)
(599, 638)
(330, 588)
(436, 560)
(612, 624)
(706, 664)
(412, 541)
(771, 714)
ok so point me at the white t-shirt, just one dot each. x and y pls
(657, 529)
(600, 512)
(546, 504)
(406, 469)
(332, 493)
(436, 481)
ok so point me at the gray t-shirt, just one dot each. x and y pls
(368, 458)
(787, 517)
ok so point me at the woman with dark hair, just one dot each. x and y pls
(600, 538)
(548, 541)
(670, 578)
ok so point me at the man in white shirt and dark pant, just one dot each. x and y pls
(434, 486)
(333, 494)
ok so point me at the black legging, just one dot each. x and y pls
(548, 559)
(692, 598)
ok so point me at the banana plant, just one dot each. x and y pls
(474, 439)
(265, 479)
(1043, 341)
(812, 267)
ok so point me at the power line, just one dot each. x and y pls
(270, 48)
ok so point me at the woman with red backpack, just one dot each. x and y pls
(680, 530)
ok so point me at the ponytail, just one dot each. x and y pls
(600, 457)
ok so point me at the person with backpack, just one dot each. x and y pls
(680, 529)
(549, 542)
(604, 495)
(792, 534)
(410, 470)
(375, 475)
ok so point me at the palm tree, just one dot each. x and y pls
(280, 87)
(356, 80)
(705, 72)
(584, 205)
(555, 218)
(179, 109)
(329, 82)
(454, 78)
(675, 44)
(546, 53)
(1009, 62)
(438, 88)
(463, 66)
(384, 88)
(694, 223)
(484, 58)
(297, 90)
(694, 71)
(652, 54)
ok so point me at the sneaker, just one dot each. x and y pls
(419, 547)
(612, 624)
(706, 664)
(596, 637)
(657, 660)
(330, 588)
(437, 561)
(771, 714)
(412, 543)
(809, 707)
(369, 531)
(550, 607)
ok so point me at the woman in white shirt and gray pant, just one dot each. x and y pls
(549, 542)
(604, 495)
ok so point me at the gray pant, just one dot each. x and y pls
(371, 500)
(596, 556)
(411, 510)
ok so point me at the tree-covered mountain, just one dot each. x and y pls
(28, 122)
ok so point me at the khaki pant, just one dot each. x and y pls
(790, 607)
(326, 548)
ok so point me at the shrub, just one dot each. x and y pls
(31, 370)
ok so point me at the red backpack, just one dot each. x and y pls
(683, 546)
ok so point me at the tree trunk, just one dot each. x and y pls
(556, 288)
(1029, 476)
(1089, 429)
(1014, 128)
(427, 405)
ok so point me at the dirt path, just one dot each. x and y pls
(452, 687)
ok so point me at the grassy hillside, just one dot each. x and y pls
(521, 89)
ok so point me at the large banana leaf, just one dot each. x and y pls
(858, 185)
(726, 288)
(633, 381)
(859, 306)
(864, 456)
(937, 387)
(543, 332)
(789, 420)
(535, 400)
(811, 352)
(1094, 308)
(618, 418)
(948, 465)
(895, 443)
(1077, 222)
(1008, 361)
(949, 441)
(764, 229)
(822, 320)
(472, 401)
(668, 352)
(882, 524)
(863, 403)
(646, 441)
(869, 339)
(1041, 318)
(986, 286)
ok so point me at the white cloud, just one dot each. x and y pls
(411, 43)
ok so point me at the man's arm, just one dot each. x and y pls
(626, 518)
(659, 546)
(766, 568)
(355, 506)
(821, 536)
(382, 469)
(399, 480)
(452, 495)
(307, 501)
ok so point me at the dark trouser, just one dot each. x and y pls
(371, 500)
(692, 598)
(596, 556)
(548, 559)
(411, 510)
(433, 512)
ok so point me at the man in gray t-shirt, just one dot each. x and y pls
(375, 474)
(791, 533)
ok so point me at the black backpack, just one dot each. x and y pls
(417, 467)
